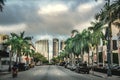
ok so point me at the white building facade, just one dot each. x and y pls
(42, 47)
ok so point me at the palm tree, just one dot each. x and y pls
(81, 43)
(69, 46)
(21, 42)
(108, 15)
(74, 32)
(26, 50)
(87, 42)
(17, 43)
(1, 5)
(63, 55)
(116, 9)
(77, 45)
(97, 35)
(12, 43)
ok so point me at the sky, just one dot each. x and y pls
(48, 19)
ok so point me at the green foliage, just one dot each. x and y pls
(19, 44)
(39, 57)
(55, 59)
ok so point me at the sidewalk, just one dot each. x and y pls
(104, 75)
(4, 72)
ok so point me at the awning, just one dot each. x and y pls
(4, 53)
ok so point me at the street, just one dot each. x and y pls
(50, 72)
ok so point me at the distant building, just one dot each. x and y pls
(3, 38)
(42, 46)
(55, 47)
(3, 50)
(62, 45)
(3, 46)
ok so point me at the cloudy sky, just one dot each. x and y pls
(47, 18)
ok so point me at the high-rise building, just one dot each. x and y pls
(62, 45)
(42, 47)
(55, 47)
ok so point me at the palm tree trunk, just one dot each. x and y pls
(19, 55)
(0, 62)
(97, 53)
(111, 43)
(16, 58)
(82, 55)
(72, 56)
(92, 62)
(28, 59)
(74, 59)
(10, 64)
(89, 56)
(77, 58)
(119, 55)
(19, 58)
(103, 54)
(119, 58)
(103, 57)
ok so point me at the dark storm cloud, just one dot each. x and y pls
(26, 11)
(19, 13)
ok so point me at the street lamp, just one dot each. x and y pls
(109, 44)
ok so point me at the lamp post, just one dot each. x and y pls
(109, 38)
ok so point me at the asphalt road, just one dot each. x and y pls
(50, 72)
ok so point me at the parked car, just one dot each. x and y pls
(81, 67)
(116, 68)
(69, 65)
(32, 65)
(73, 67)
(62, 64)
(66, 65)
(23, 66)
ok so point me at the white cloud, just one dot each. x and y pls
(13, 28)
(81, 27)
(41, 37)
(51, 9)
(85, 7)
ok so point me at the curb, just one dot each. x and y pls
(98, 75)
(4, 73)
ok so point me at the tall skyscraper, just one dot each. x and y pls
(62, 45)
(42, 46)
(55, 47)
